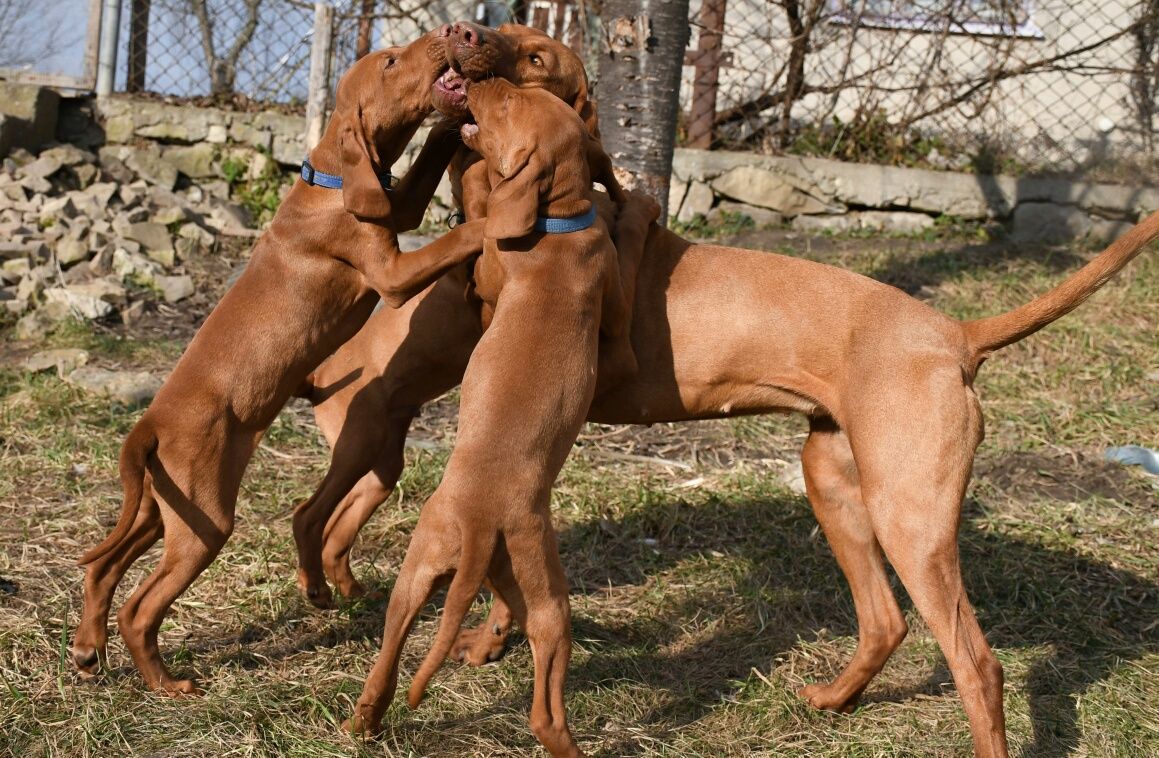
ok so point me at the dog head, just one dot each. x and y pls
(381, 102)
(535, 147)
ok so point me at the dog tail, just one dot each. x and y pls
(139, 445)
(473, 564)
(986, 335)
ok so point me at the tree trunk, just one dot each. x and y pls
(365, 24)
(639, 90)
(138, 45)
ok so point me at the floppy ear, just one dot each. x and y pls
(362, 192)
(514, 201)
(586, 108)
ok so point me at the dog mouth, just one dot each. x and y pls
(450, 93)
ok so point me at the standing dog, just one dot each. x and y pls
(347, 397)
(312, 281)
(525, 395)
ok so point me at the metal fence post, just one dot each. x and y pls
(320, 50)
(110, 40)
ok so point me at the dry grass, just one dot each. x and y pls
(703, 597)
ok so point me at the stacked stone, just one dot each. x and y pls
(92, 236)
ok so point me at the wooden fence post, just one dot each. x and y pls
(320, 50)
(708, 60)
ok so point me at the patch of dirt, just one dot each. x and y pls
(1062, 477)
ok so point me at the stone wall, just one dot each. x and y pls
(815, 194)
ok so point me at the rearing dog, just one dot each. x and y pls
(313, 280)
(525, 395)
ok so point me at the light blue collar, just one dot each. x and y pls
(316, 178)
(565, 225)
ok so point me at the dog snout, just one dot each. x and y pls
(468, 34)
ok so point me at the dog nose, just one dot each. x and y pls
(444, 31)
(467, 34)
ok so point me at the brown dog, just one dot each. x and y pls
(862, 360)
(533, 60)
(310, 285)
(526, 392)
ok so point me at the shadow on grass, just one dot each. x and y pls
(1092, 615)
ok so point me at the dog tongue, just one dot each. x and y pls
(451, 80)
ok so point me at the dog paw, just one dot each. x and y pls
(824, 698)
(357, 726)
(477, 647)
(87, 660)
(179, 688)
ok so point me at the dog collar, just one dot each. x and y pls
(565, 225)
(316, 178)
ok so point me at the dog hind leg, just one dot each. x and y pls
(834, 489)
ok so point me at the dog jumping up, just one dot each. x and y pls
(549, 274)
(315, 275)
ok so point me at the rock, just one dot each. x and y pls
(185, 248)
(37, 185)
(86, 174)
(898, 222)
(58, 207)
(1047, 222)
(30, 116)
(697, 202)
(217, 134)
(130, 265)
(64, 361)
(793, 477)
(762, 217)
(196, 161)
(15, 269)
(171, 214)
(69, 251)
(131, 388)
(825, 224)
(766, 189)
(145, 161)
(677, 189)
(68, 155)
(87, 301)
(197, 234)
(42, 167)
(229, 216)
(155, 240)
(114, 168)
(101, 193)
(174, 288)
(1104, 231)
(34, 326)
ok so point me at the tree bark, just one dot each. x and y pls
(365, 23)
(639, 90)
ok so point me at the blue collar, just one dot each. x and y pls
(316, 178)
(565, 225)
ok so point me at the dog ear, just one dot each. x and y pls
(586, 108)
(514, 202)
(362, 191)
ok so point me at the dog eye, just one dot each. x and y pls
(536, 60)
(390, 61)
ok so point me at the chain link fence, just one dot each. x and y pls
(1069, 86)
(989, 85)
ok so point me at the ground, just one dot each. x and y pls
(703, 593)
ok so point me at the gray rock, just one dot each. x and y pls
(1047, 223)
(58, 208)
(68, 155)
(155, 240)
(174, 288)
(101, 193)
(145, 161)
(15, 269)
(37, 185)
(1104, 231)
(697, 202)
(34, 326)
(822, 224)
(196, 161)
(170, 215)
(87, 301)
(131, 388)
(42, 167)
(130, 265)
(64, 361)
(898, 222)
(69, 251)
(762, 217)
(766, 189)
